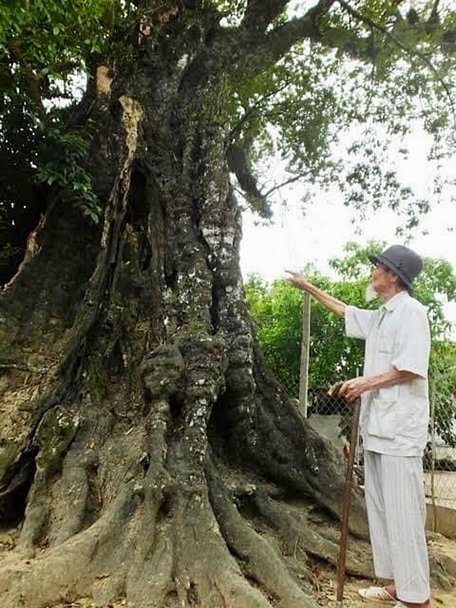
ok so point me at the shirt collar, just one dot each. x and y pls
(391, 304)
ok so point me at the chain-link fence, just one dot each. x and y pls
(440, 455)
(330, 415)
(305, 353)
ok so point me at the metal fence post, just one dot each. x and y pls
(433, 454)
(305, 346)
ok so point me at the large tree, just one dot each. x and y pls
(146, 452)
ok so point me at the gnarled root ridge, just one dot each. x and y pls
(142, 505)
(213, 544)
(148, 504)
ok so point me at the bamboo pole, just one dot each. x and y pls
(305, 346)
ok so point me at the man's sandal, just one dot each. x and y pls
(377, 593)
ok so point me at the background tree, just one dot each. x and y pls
(277, 312)
(145, 450)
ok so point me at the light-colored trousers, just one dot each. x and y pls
(394, 487)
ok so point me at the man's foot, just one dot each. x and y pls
(391, 590)
(382, 594)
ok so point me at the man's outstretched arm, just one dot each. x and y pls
(333, 304)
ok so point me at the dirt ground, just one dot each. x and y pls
(326, 582)
(327, 596)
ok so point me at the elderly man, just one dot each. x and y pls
(394, 421)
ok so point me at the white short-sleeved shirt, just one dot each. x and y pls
(394, 419)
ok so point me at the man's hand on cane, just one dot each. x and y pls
(351, 389)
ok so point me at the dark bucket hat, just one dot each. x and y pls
(401, 260)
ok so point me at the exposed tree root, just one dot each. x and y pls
(161, 527)
(259, 560)
(297, 531)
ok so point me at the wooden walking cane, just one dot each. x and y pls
(346, 502)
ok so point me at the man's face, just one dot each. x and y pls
(382, 279)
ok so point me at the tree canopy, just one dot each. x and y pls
(353, 73)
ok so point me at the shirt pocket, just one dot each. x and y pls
(383, 418)
(385, 343)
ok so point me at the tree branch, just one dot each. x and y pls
(290, 180)
(254, 51)
(260, 13)
(434, 18)
(241, 54)
(249, 112)
(238, 162)
(33, 83)
(281, 39)
(412, 53)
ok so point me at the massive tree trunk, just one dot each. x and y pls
(146, 451)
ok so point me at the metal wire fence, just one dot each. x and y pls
(332, 418)
(330, 415)
(440, 455)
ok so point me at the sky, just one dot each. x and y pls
(294, 239)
